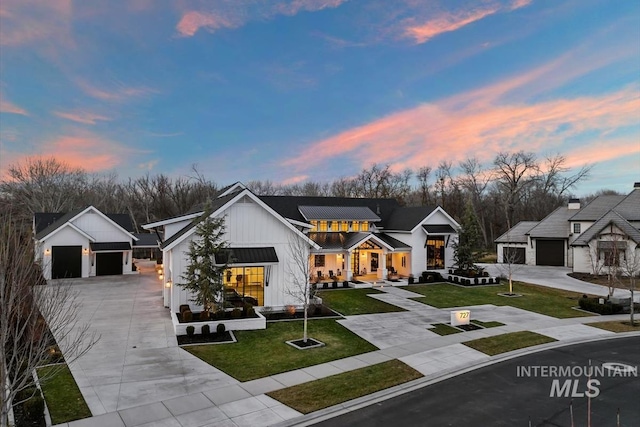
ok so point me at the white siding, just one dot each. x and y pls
(100, 228)
(65, 236)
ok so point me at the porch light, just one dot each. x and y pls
(47, 251)
(168, 284)
(161, 276)
(85, 251)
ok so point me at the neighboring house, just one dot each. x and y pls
(346, 238)
(600, 234)
(84, 243)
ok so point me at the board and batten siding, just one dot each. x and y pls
(101, 229)
(65, 236)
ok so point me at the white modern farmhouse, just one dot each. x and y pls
(84, 243)
(603, 233)
(345, 239)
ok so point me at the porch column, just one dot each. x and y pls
(347, 266)
(383, 264)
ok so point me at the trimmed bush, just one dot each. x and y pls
(206, 330)
(334, 285)
(245, 309)
(593, 305)
(204, 316)
(345, 284)
(325, 286)
(220, 329)
(220, 314)
(251, 312)
(236, 313)
(411, 280)
(191, 330)
(184, 307)
(187, 316)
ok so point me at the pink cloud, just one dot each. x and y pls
(117, 92)
(215, 16)
(82, 117)
(447, 21)
(295, 180)
(34, 21)
(11, 108)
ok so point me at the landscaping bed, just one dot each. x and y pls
(214, 338)
(617, 326)
(607, 307)
(601, 279)
(316, 311)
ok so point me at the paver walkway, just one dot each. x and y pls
(146, 380)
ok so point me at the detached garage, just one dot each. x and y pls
(83, 243)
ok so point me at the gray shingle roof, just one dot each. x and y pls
(344, 240)
(629, 207)
(518, 233)
(611, 217)
(553, 226)
(407, 218)
(47, 223)
(597, 207)
(146, 240)
(356, 213)
(57, 223)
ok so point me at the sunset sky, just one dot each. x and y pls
(295, 90)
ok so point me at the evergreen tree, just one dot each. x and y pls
(207, 262)
(467, 248)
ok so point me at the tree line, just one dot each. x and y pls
(515, 186)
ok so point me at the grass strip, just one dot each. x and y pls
(442, 329)
(329, 391)
(538, 299)
(508, 342)
(261, 353)
(63, 397)
(490, 324)
(616, 326)
(350, 302)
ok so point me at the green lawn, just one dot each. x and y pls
(329, 391)
(490, 324)
(539, 299)
(442, 329)
(264, 352)
(617, 325)
(349, 302)
(508, 342)
(63, 397)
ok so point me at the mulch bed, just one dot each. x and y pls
(469, 327)
(603, 279)
(205, 339)
(227, 316)
(313, 313)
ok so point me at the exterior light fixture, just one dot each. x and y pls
(47, 251)
(168, 284)
(161, 276)
(85, 251)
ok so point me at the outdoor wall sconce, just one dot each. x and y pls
(168, 284)
(85, 251)
(47, 251)
(161, 276)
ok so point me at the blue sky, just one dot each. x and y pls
(295, 90)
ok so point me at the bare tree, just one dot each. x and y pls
(630, 268)
(514, 173)
(475, 180)
(423, 179)
(33, 316)
(299, 270)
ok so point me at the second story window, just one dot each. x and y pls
(344, 226)
(365, 226)
(355, 226)
(576, 228)
(334, 225)
(314, 225)
(323, 226)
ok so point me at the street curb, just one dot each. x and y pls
(379, 396)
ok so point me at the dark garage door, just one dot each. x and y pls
(513, 255)
(550, 252)
(108, 263)
(66, 262)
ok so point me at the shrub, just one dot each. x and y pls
(593, 305)
(220, 329)
(220, 314)
(34, 409)
(325, 286)
(187, 316)
(345, 284)
(334, 285)
(191, 330)
(236, 313)
(411, 279)
(184, 307)
(245, 309)
(206, 329)
(205, 315)
(251, 312)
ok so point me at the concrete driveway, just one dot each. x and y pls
(554, 277)
(137, 359)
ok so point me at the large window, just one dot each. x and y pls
(318, 261)
(435, 252)
(246, 282)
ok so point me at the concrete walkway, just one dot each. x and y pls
(138, 376)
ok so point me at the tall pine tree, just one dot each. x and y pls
(207, 262)
(467, 248)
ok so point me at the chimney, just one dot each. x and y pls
(574, 204)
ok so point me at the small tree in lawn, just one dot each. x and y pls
(299, 271)
(467, 248)
(207, 263)
(630, 267)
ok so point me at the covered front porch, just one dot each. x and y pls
(358, 256)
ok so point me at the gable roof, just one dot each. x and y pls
(596, 208)
(48, 223)
(518, 233)
(629, 207)
(553, 226)
(611, 217)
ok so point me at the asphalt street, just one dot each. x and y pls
(515, 392)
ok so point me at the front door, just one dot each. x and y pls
(374, 261)
(435, 252)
